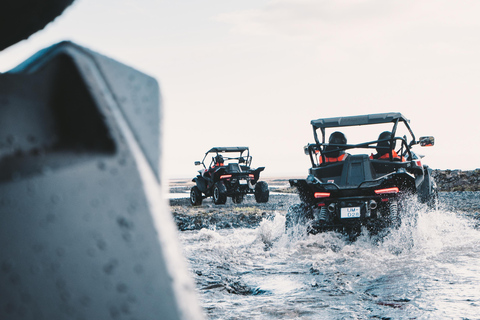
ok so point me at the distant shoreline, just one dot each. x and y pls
(447, 180)
(457, 180)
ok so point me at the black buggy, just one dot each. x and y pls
(228, 175)
(347, 189)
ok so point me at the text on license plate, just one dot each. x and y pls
(352, 212)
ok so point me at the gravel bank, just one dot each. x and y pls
(457, 180)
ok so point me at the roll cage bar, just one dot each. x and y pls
(360, 120)
(246, 160)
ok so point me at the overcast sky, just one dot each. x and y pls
(255, 72)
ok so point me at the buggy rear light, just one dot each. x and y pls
(251, 176)
(387, 190)
(226, 176)
(321, 194)
(418, 163)
(321, 204)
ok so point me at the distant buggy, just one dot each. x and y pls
(228, 175)
(347, 188)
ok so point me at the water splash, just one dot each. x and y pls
(271, 230)
(428, 267)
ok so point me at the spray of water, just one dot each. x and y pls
(428, 267)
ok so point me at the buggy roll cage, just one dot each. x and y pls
(350, 121)
(246, 160)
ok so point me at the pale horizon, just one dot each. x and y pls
(255, 73)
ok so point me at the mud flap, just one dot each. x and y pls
(256, 173)
(427, 191)
(304, 191)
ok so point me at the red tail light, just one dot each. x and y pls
(321, 195)
(226, 176)
(251, 176)
(387, 190)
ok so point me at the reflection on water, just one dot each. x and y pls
(429, 268)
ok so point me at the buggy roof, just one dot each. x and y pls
(358, 120)
(227, 149)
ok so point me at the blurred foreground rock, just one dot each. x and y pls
(84, 234)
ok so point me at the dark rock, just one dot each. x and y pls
(457, 180)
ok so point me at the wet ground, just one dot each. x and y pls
(246, 267)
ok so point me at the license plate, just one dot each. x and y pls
(242, 181)
(351, 212)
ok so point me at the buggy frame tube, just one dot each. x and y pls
(394, 129)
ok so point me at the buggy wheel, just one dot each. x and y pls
(428, 192)
(195, 196)
(433, 202)
(261, 192)
(219, 193)
(237, 198)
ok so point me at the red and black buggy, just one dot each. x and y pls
(228, 175)
(347, 188)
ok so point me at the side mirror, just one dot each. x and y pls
(305, 150)
(197, 163)
(427, 141)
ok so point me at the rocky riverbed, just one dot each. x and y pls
(248, 214)
(457, 180)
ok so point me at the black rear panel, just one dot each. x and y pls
(356, 170)
(233, 168)
(351, 172)
(329, 173)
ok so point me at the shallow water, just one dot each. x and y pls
(429, 268)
